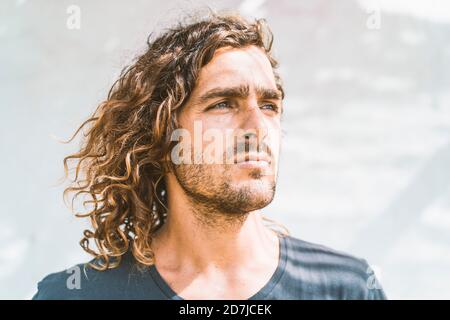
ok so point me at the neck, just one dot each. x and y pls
(196, 237)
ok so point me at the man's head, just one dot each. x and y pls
(232, 114)
(216, 72)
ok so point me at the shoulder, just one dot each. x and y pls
(82, 281)
(333, 272)
(322, 256)
(64, 284)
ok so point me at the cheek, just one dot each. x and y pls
(274, 137)
(222, 122)
(219, 132)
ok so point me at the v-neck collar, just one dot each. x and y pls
(261, 294)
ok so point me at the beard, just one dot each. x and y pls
(220, 199)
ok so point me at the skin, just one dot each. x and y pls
(214, 244)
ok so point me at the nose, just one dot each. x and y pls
(253, 127)
(254, 123)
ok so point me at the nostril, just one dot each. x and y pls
(249, 135)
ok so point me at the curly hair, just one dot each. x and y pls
(120, 165)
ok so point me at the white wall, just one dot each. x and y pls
(366, 153)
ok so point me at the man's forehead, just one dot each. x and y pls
(237, 59)
(236, 69)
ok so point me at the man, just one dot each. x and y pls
(179, 160)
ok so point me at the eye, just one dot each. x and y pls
(220, 105)
(270, 106)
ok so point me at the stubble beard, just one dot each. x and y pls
(216, 201)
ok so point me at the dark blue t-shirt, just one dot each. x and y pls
(305, 271)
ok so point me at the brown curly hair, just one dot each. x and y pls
(120, 163)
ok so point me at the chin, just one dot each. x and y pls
(259, 192)
(258, 203)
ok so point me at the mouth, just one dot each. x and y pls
(253, 159)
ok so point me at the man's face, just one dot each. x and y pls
(236, 93)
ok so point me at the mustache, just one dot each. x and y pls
(242, 148)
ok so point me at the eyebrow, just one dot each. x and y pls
(242, 92)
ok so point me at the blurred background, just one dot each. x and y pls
(366, 151)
